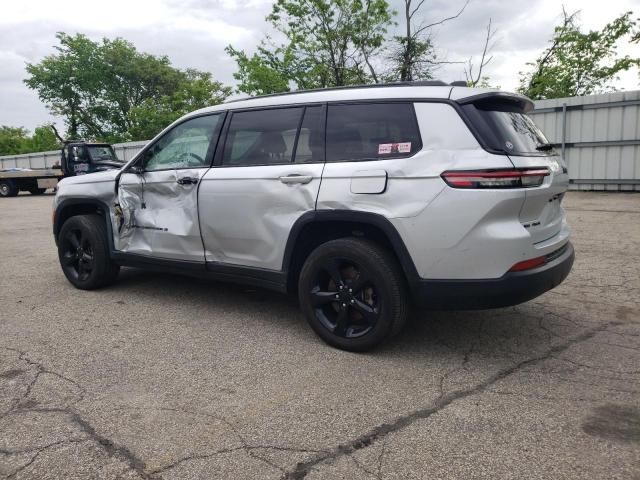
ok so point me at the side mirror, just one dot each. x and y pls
(137, 169)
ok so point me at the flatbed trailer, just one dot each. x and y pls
(35, 181)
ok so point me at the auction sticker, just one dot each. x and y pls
(387, 148)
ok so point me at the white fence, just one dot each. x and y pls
(599, 136)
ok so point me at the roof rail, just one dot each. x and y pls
(416, 83)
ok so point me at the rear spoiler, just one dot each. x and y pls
(503, 101)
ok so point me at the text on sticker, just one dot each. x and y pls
(387, 148)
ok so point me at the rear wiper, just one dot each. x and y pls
(543, 147)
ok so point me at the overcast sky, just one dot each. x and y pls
(193, 33)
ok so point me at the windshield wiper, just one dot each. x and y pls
(543, 147)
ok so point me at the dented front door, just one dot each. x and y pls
(158, 207)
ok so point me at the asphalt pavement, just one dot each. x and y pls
(161, 376)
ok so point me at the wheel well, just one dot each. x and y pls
(68, 211)
(314, 234)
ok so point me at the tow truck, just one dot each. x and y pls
(77, 157)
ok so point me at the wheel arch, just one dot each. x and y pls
(315, 228)
(81, 206)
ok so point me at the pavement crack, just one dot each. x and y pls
(111, 448)
(40, 370)
(38, 451)
(188, 458)
(379, 432)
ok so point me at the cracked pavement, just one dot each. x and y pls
(161, 376)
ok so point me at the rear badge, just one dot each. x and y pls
(508, 144)
(387, 148)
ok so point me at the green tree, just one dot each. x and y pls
(16, 140)
(196, 90)
(13, 140)
(43, 140)
(578, 63)
(326, 43)
(97, 87)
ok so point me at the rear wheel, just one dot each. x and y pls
(37, 191)
(8, 188)
(83, 252)
(353, 294)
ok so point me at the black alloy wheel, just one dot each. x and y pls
(352, 292)
(345, 301)
(77, 259)
(83, 251)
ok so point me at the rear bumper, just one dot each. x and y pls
(510, 289)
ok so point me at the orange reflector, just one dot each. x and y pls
(528, 264)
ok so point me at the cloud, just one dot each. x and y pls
(194, 33)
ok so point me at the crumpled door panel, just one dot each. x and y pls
(159, 216)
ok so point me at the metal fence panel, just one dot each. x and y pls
(601, 138)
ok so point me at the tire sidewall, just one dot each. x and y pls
(8, 188)
(356, 251)
(90, 226)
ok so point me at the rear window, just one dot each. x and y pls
(371, 131)
(508, 130)
(99, 153)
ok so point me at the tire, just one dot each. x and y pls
(37, 191)
(8, 188)
(372, 305)
(83, 252)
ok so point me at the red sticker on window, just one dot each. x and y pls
(388, 148)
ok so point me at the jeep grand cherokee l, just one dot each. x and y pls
(359, 200)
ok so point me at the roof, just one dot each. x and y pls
(369, 92)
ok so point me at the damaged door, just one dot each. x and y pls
(158, 197)
(267, 176)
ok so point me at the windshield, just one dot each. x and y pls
(512, 132)
(101, 153)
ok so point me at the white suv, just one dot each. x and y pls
(357, 199)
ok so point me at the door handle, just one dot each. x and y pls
(296, 178)
(187, 181)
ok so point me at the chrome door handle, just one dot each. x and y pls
(295, 178)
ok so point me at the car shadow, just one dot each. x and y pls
(510, 332)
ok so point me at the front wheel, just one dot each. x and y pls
(37, 191)
(83, 252)
(353, 294)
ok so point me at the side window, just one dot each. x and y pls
(310, 148)
(372, 131)
(262, 137)
(184, 146)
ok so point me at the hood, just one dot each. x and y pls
(96, 177)
(106, 164)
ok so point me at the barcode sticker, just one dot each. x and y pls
(387, 148)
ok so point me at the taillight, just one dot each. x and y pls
(511, 178)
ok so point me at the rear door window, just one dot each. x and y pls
(371, 131)
(262, 137)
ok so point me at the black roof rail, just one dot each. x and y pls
(459, 83)
(416, 83)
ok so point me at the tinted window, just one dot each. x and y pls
(101, 153)
(508, 130)
(184, 146)
(371, 131)
(310, 146)
(262, 137)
